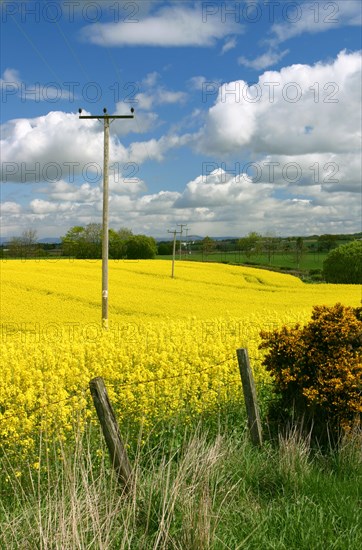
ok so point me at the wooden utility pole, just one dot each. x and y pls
(251, 403)
(105, 243)
(107, 120)
(181, 225)
(187, 243)
(174, 232)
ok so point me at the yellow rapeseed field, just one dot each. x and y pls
(170, 345)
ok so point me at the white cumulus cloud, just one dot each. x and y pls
(298, 110)
(173, 25)
(267, 59)
(315, 17)
(10, 207)
(59, 146)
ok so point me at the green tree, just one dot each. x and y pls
(251, 244)
(29, 237)
(86, 242)
(141, 247)
(93, 240)
(70, 243)
(15, 247)
(116, 245)
(83, 242)
(25, 246)
(327, 242)
(270, 245)
(124, 233)
(117, 242)
(165, 248)
(299, 250)
(344, 264)
(207, 245)
(286, 245)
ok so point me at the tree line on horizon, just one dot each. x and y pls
(85, 242)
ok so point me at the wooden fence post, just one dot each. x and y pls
(110, 428)
(251, 403)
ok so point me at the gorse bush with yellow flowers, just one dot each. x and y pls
(317, 369)
(170, 347)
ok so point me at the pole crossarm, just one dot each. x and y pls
(99, 117)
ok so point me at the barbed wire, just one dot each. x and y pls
(123, 385)
(45, 405)
(116, 385)
(150, 380)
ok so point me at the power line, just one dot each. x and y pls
(35, 48)
(76, 58)
(119, 77)
(187, 244)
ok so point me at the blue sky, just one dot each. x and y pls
(247, 115)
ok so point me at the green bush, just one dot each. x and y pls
(344, 264)
(316, 275)
(165, 249)
(317, 371)
(141, 247)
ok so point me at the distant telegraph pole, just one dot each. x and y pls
(107, 120)
(187, 242)
(181, 225)
(174, 232)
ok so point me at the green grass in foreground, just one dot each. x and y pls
(200, 487)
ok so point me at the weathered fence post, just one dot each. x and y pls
(110, 428)
(251, 403)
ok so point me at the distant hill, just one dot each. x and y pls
(193, 238)
(57, 240)
(50, 240)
